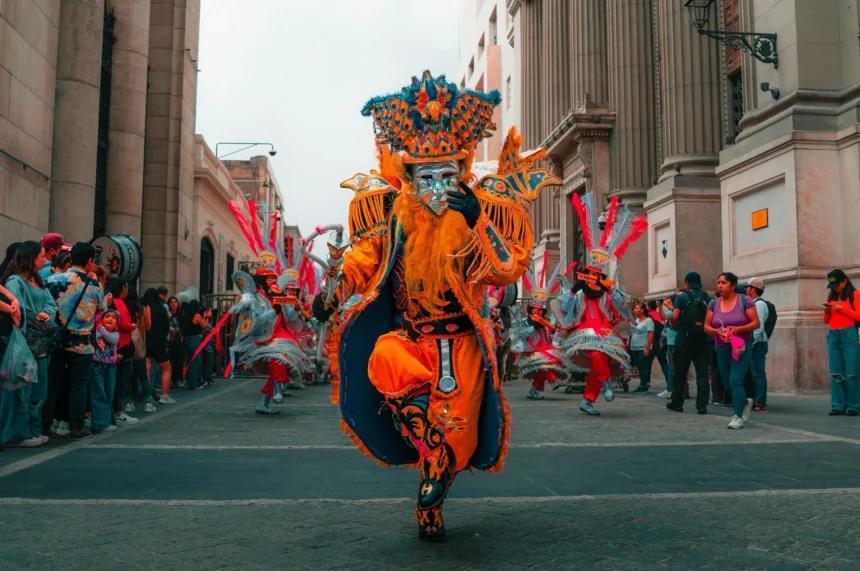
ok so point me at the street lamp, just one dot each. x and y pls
(272, 151)
(761, 46)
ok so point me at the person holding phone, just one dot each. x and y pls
(197, 320)
(841, 314)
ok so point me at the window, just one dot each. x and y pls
(736, 102)
(733, 22)
(471, 69)
(494, 30)
(480, 47)
(100, 206)
(508, 92)
(231, 265)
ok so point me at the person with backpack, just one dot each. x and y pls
(767, 320)
(692, 345)
(841, 314)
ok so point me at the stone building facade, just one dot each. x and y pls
(760, 180)
(97, 126)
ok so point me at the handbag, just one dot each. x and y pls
(18, 367)
(43, 337)
(139, 342)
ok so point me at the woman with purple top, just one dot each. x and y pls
(732, 315)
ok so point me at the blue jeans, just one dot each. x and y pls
(643, 363)
(102, 384)
(843, 354)
(670, 369)
(759, 372)
(38, 396)
(733, 373)
(195, 369)
(26, 419)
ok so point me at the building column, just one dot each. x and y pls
(633, 153)
(690, 81)
(76, 119)
(127, 116)
(530, 22)
(555, 95)
(588, 55)
(631, 97)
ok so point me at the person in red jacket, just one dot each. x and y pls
(841, 313)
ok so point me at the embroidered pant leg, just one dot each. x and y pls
(599, 372)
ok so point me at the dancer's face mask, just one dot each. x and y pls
(433, 181)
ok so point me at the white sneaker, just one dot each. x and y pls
(27, 443)
(129, 407)
(62, 428)
(54, 426)
(736, 423)
(126, 419)
(148, 407)
(110, 428)
(747, 410)
(166, 399)
(665, 395)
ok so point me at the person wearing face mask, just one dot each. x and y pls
(419, 340)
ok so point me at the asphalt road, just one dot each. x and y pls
(207, 484)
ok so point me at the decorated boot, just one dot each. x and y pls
(411, 409)
(263, 406)
(279, 393)
(608, 393)
(587, 407)
(431, 527)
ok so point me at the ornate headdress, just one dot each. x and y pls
(432, 120)
(623, 227)
(538, 286)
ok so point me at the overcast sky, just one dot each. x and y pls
(296, 73)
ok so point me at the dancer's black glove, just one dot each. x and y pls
(466, 203)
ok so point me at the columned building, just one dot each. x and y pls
(741, 164)
(97, 116)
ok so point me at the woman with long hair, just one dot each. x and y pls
(10, 255)
(156, 345)
(841, 313)
(23, 280)
(733, 316)
(197, 320)
(642, 346)
(140, 314)
(176, 341)
(125, 350)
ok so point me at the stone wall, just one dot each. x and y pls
(29, 32)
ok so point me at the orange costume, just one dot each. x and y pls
(418, 384)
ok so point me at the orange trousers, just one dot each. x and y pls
(399, 362)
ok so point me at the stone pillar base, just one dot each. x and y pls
(684, 233)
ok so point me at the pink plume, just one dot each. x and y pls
(252, 210)
(639, 227)
(543, 269)
(243, 224)
(570, 269)
(527, 282)
(579, 207)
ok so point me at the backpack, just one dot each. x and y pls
(658, 332)
(694, 315)
(770, 322)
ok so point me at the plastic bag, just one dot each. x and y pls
(18, 366)
(738, 347)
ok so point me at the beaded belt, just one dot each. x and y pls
(446, 326)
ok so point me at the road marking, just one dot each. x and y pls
(537, 445)
(487, 500)
(43, 457)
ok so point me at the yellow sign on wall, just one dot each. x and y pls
(759, 219)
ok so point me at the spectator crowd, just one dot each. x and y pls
(79, 351)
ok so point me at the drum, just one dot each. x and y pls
(509, 298)
(120, 255)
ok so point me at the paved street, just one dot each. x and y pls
(207, 484)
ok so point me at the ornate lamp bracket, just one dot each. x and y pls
(760, 46)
